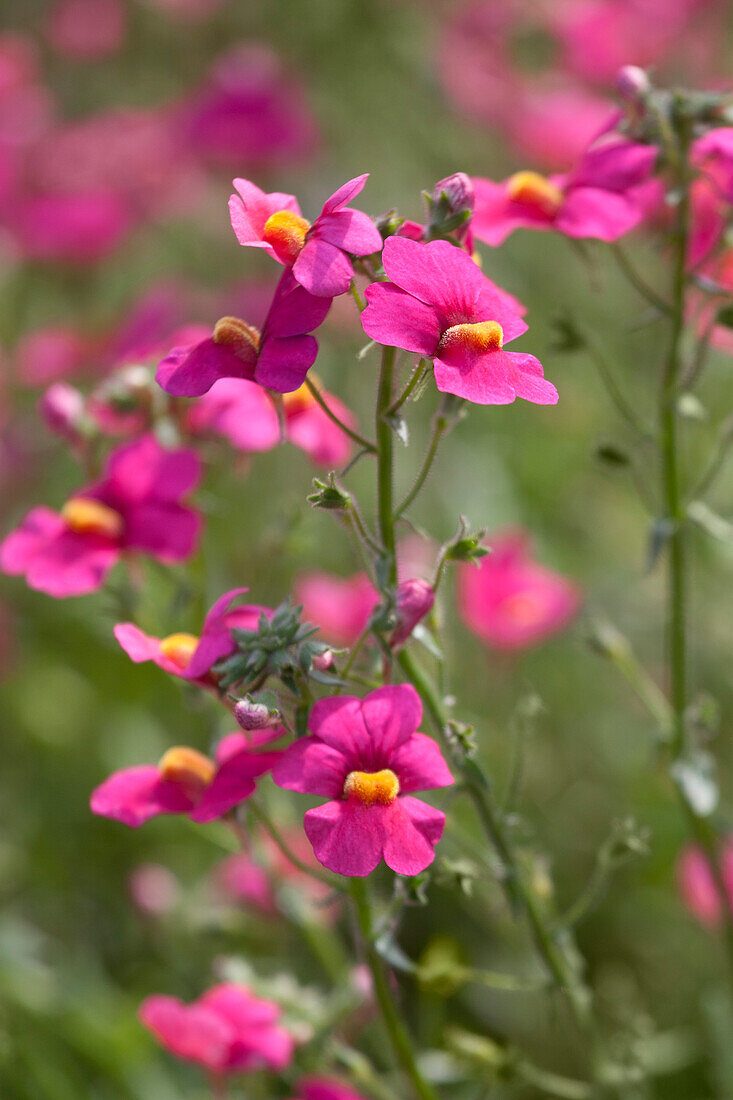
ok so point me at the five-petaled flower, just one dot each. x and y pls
(136, 507)
(318, 254)
(278, 357)
(227, 1030)
(609, 193)
(439, 304)
(187, 782)
(366, 757)
(188, 655)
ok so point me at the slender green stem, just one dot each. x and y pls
(360, 303)
(440, 427)
(415, 377)
(261, 815)
(385, 458)
(394, 1025)
(320, 399)
(716, 461)
(638, 282)
(613, 389)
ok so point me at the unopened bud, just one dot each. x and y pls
(62, 409)
(632, 83)
(413, 601)
(458, 190)
(325, 661)
(252, 716)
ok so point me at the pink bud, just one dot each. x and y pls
(62, 409)
(324, 661)
(252, 716)
(632, 83)
(459, 190)
(414, 600)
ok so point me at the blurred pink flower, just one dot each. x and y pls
(339, 607)
(697, 884)
(318, 253)
(135, 508)
(52, 354)
(439, 304)
(86, 30)
(71, 228)
(510, 601)
(228, 1030)
(322, 1088)
(414, 599)
(62, 410)
(187, 655)
(153, 889)
(187, 782)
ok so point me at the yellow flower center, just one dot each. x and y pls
(302, 398)
(524, 608)
(239, 337)
(179, 648)
(286, 231)
(188, 769)
(91, 517)
(532, 189)
(372, 787)
(480, 337)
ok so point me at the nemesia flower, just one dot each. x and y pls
(318, 254)
(366, 757)
(711, 192)
(228, 1030)
(187, 655)
(697, 884)
(81, 228)
(135, 508)
(509, 600)
(323, 1088)
(604, 197)
(339, 606)
(554, 120)
(414, 599)
(187, 782)
(439, 304)
(242, 412)
(278, 358)
(86, 30)
(51, 354)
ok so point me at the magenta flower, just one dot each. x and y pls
(439, 304)
(510, 601)
(135, 508)
(322, 1088)
(187, 782)
(243, 413)
(86, 30)
(228, 1030)
(319, 253)
(339, 606)
(278, 358)
(80, 229)
(414, 599)
(697, 885)
(366, 757)
(606, 196)
(186, 655)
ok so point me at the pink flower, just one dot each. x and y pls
(81, 228)
(439, 304)
(135, 508)
(51, 354)
(85, 30)
(510, 601)
(604, 197)
(241, 879)
(228, 1030)
(697, 884)
(243, 413)
(187, 782)
(153, 889)
(186, 655)
(339, 607)
(319, 253)
(62, 410)
(413, 601)
(366, 758)
(321, 1088)
(278, 358)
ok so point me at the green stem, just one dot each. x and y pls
(637, 282)
(440, 427)
(385, 458)
(391, 1017)
(320, 399)
(354, 290)
(415, 377)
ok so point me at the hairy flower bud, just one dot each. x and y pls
(414, 600)
(324, 661)
(251, 715)
(458, 189)
(632, 83)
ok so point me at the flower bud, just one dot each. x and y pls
(324, 662)
(414, 600)
(251, 715)
(62, 409)
(632, 84)
(458, 190)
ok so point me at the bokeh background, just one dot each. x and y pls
(122, 123)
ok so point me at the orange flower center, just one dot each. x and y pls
(91, 517)
(286, 231)
(480, 337)
(524, 608)
(239, 337)
(188, 769)
(532, 189)
(179, 648)
(372, 787)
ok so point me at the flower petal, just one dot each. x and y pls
(350, 230)
(191, 370)
(419, 765)
(283, 364)
(232, 784)
(397, 319)
(323, 269)
(413, 830)
(347, 838)
(346, 192)
(312, 767)
(134, 795)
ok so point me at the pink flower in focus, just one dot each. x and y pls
(511, 602)
(439, 304)
(187, 782)
(135, 508)
(318, 254)
(339, 607)
(228, 1030)
(366, 757)
(243, 413)
(697, 884)
(278, 358)
(187, 655)
(86, 30)
(604, 197)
